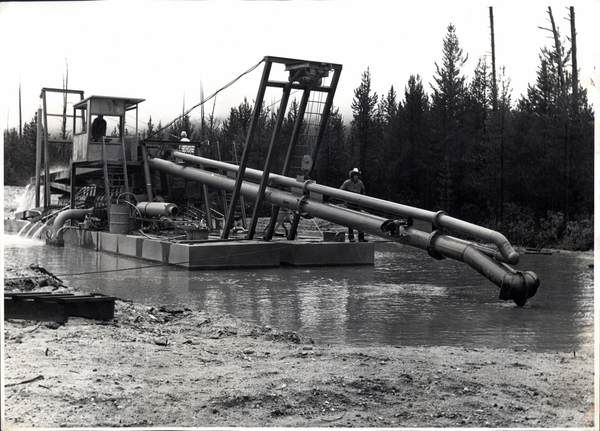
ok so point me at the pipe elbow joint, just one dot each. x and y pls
(505, 247)
(519, 286)
(58, 226)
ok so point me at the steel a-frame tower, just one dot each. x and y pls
(308, 77)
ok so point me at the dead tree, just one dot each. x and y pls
(494, 84)
(63, 129)
(575, 74)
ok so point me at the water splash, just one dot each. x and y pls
(27, 226)
(32, 229)
(35, 229)
(37, 234)
(27, 199)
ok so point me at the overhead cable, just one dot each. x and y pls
(207, 99)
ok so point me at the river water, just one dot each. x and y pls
(406, 299)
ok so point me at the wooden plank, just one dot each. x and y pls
(34, 310)
(100, 309)
(36, 296)
(24, 294)
(46, 306)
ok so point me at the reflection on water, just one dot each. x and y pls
(406, 299)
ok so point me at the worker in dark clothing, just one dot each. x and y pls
(98, 128)
(355, 185)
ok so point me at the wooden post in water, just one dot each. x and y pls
(38, 157)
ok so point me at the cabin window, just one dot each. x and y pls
(80, 123)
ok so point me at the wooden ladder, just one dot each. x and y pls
(116, 169)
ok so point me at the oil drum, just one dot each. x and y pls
(120, 218)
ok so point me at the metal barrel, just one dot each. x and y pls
(120, 218)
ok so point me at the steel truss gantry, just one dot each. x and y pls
(305, 76)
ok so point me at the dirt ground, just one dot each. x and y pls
(159, 367)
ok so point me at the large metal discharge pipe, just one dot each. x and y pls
(63, 217)
(515, 285)
(437, 219)
(157, 209)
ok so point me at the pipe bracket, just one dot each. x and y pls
(435, 221)
(431, 245)
(301, 201)
(305, 187)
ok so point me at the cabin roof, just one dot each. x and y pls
(129, 101)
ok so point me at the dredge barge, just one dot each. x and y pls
(154, 199)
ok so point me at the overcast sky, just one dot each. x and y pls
(163, 51)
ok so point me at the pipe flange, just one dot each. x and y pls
(431, 243)
(304, 187)
(302, 200)
(435, 221)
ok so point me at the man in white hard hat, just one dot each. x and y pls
(355, 185)
(189, 149)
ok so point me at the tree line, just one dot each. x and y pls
(524, 167)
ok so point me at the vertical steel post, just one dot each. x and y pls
(73, 184)
(247, 148)
(38, 157)
(106, 182)
(205, 195)
(288, 159)
(46, 164)
(267, 169)
(147, 175)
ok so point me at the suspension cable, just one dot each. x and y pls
(207, 99)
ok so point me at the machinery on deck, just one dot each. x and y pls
(113, 180)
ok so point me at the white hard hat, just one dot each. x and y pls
(183, 134)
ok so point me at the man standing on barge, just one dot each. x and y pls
(354, 185)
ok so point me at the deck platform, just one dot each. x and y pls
(215, 253)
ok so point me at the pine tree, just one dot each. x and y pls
(388, 155)
(332, 162)
(553, 132)
(12, 169)
(363, 122)
(480, 164)
(502, 125)
(149, 131)
(448, 116)
(234, 130)
(212, 133)
(415, 128)
(19, 154)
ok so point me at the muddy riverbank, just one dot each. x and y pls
(161, 367)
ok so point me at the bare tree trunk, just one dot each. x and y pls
(20, 117)
(559, 53)
(574, 72)
(63, 129)
(562, 106)
(494, 85)
(498, 124)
